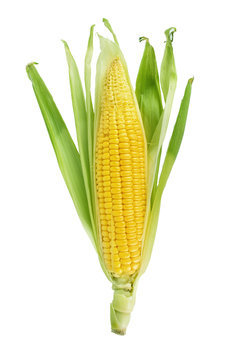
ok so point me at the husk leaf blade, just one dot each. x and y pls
(148, 91)
(67, 155)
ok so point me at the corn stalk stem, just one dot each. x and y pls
(120, 310)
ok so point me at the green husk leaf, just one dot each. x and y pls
(78, 103)
(173, 148)
(168, 68)
(148, 91)
(79, 107)
(89, 105)
(67, 155)
(155, 183)
(176, 138)
(169, 77)
(150, 232)
(107, 24)
(157, 140)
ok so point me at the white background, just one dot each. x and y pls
(54, 298)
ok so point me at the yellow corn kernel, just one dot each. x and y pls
(120, 169)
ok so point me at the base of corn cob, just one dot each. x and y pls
(120, 310)
(122, 305)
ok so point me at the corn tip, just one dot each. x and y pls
(65, 45)
(143, 38)
(29, 66)
(169, 34)
(64, 42)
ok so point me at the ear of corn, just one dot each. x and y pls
(114, 177)
(120, 164)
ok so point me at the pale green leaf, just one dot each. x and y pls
(155, 182)
(67, 155)
(89, 105)
(150, 232)
(168, 80)
(78, 103)
(169, 77)
(79, 108)
(171, 155)
(157, 140)
(168, 69)
(176, 138)
(107, 24)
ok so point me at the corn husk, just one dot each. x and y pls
(154, 96)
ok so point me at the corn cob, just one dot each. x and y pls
(120, 174)
(114, 177)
